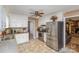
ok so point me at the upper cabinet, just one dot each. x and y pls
(17, 20)
(11, 20)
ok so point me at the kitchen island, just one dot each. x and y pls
(22, 38)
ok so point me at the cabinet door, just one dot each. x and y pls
(22, 38)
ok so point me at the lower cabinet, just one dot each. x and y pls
(41, 36)
(22, 38)
(52, 43)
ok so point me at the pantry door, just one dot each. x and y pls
(32, 29)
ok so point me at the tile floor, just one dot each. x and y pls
(67, 50)
(34, 46)
(74, 44)
(8, 46)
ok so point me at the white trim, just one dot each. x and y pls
(72, 16)
(64, 32)
(65, 27)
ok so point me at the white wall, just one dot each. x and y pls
(46, 18)
(2, 18)
(17, 20)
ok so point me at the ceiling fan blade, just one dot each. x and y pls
(42, 13)
(36, 13)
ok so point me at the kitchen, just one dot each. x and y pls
(28, 28)
(14, 28)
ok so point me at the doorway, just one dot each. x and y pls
(72, 33)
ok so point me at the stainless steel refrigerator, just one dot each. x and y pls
(55, 35)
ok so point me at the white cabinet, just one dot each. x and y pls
(22, 38)
(45, 38)
(18, 20)
(19, 23)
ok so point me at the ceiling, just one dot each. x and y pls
(47, 9)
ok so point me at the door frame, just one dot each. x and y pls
(65, 28)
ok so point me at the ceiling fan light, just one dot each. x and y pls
(37, 17)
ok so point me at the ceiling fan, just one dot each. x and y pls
(37, 13)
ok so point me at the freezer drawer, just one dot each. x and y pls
(52, 44)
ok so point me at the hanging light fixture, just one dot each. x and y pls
(54, 18)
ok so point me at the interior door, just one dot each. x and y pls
(32, 29)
